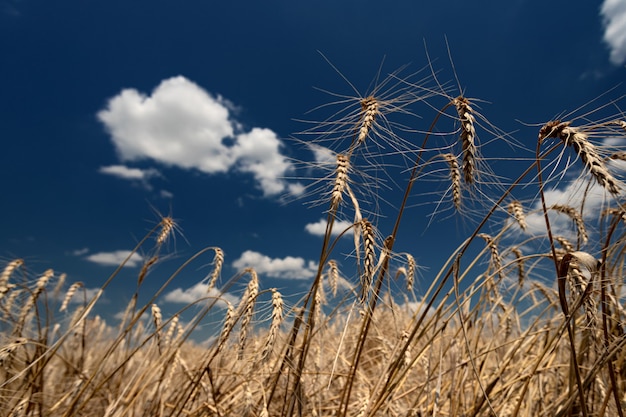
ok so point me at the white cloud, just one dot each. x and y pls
(197, 292)
(571, 195)
(166, 194)
(115, 258)
(80, 252)
(319, 228)
(285, 268)
(614, 18)
(182, 125)
(127, 173)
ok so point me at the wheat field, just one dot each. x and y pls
(522, 319)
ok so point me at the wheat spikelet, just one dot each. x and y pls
(407, 351)
(247, 308)
(4, 289)
(587, 152)
(455, 177)
(173, 327)
(410, 272)
(495, 255)
(369, 108)
(277, 318)
(8, 305)
(8, 271)
(615, 212)
(229, 322)
(341, 179)
(167, 225)
(333, 276)
(573, 214)
(368, 257)
(618, 156)
(218, 262)
(468, 137)
(157, 319)
(70, 293)
(565, 244)
(515, 208)
(621, 123)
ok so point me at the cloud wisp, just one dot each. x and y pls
(613, 14)
(115, 258)
(283, 268)
(197, 292)
(182, 125)
(319, 228)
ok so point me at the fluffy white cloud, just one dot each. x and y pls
(286, 268)
(319, 228)
(614, 17)
(197, 292)
(182, 125)
(115, 258)
(124, 172)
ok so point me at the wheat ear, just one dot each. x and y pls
(587, 152)
(468, 137)
(455, 177)
(333, 276)
(277, 318)
(70, 293)
(369, 258)
(573, 214)
(229, 322)
(341, 179)
(167, 225)
(516, 210)
(410, 272)
(8, 271)
(218, 262)
(247, 308)
(369, 109)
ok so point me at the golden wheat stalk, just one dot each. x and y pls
(455, 178)
(341, 179)
(167, 225)
(587, 152)
(521, 273)
(410, 271)
(369, 258)
(565, 244)
(333, 276)
(247, 308)
(517, 211)
(369, 109)
(277, 318)
(70, 293)
(218, 262)
(468, 137)
(573, 214)
(495, 254)
(229, 322)
(8, 271)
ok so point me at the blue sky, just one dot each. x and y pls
(112, 112)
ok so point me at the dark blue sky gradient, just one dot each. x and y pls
(62, 61)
